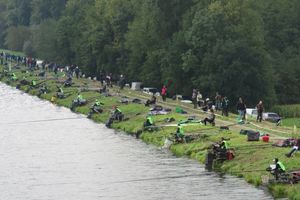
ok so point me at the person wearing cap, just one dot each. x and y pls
(207, 105)
(279, 169)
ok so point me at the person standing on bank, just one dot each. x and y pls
(241, 108)
(164, 93)
(260, 110)
(200, 101)
(194, 98)
(225, 106)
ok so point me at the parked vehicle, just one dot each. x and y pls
(272, 117)
(267, 116)
(251, 112)
(151, 91)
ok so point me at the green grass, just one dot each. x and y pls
(251, 159)
(291, 122)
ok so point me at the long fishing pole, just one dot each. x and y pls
(161, 178)
(253, 146)
(254, 170)
(44, 81)
(43, 120)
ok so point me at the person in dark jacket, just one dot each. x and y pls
(260, 110)
(225, 106)
(151, 101)
(241, 108)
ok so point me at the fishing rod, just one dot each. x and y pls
(45, 81)
(161, 178)
(43, 120)
(253, 146)
(254, 170)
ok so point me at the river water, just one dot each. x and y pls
(77, 159)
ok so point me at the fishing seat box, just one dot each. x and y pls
(253, 135)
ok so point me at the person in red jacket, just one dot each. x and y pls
(164, 93)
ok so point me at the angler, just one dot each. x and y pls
(281, 175)
(278, 170)
(43, 90)
(13, 77)
(149, 121)
(115, 115)
(294, 149)
(151, 101)
(210, 118)
(68, 82)
(60, 93)
(219, 151)
(79, 101)
(24, 81)
(32, 85)
(179, 135)
(96, 108)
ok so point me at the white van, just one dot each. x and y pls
(151, 91)
(251, 112)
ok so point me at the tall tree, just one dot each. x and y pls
(45, 9)
(227, 52)
(19, 12)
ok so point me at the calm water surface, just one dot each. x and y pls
(77, 159)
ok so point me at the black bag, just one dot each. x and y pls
(253, 135)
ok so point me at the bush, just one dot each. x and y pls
(287, 111)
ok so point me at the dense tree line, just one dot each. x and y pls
(245, 48)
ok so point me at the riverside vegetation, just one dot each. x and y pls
(247, 46)
(251, 159)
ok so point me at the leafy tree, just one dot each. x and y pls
(246, 46)
(227, 52)
(45, 9)
(3, 8)
(28, 49)
(16, 37)
(44, 37)
(19, 12)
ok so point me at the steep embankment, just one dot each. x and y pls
(250, 161)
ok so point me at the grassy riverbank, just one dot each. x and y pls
(251, 159)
